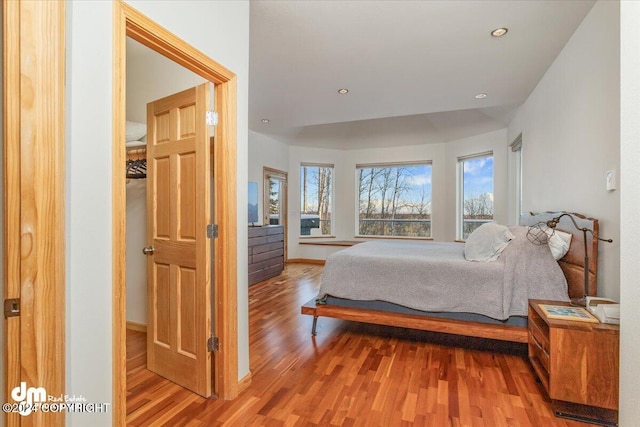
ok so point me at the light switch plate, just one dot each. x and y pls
(611, 180)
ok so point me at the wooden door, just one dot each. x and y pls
(33, 205)
(178, 211)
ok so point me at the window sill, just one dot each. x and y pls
(325, 236)
(331, 243)
(393, 238)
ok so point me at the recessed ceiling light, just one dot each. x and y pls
(343, 91)
(481, 95)
(499, 32)
(265, 120)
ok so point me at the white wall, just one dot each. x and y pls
(150, 76)
(570, 131)
(220, 30)
(265, 152)
(444, 177)
(136, 279)
(629, 206)
(88, 210)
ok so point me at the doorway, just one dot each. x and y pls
(167, 294)
(275, 200)
(130, 23)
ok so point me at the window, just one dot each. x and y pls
(394, 200)
(275, 193)
(316, 194)
(516, 153)
(475, 192)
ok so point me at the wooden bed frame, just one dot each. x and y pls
(572, 265)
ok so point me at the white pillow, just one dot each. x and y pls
(135, 131)
(559, 243)
(487, 242)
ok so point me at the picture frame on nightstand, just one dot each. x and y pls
(563, 312)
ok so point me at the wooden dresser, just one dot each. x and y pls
(266, 252)
(577, 363)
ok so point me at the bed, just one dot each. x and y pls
(460, 300)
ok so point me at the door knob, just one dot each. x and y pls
(148, 250)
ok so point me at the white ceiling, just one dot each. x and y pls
(411, 67)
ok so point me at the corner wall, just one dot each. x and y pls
(264, 152)
(571, 132)
(630, 206)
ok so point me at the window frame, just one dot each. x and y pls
(460, 189)
(516, 153)
(359, 166)
(332, 186)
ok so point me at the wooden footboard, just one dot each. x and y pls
(413, 321)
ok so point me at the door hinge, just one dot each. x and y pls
(212, 231)
(213, 344)
(212, 118)
(11, 307)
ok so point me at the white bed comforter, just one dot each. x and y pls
(432, 276)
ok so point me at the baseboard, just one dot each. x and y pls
(244, 383)
(305, 261)
(135, 326)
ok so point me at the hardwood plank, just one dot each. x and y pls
(350, 374)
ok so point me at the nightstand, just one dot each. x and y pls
(578, 365)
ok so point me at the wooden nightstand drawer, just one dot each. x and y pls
(539, 359)
(539, 350)
(541, 339)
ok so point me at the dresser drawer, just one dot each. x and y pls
(265, 252)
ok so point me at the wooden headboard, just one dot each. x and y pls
(572, 263)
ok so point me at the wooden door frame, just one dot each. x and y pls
(267, 173)
(128, 22)
(34, 199)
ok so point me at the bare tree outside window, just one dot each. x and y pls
(394, 200)
(477, 193)
(274, 190)
(315, 199)
(274, 201)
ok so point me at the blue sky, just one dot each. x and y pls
(478, 176)
(420, 181)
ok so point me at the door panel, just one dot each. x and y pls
(163, 298)
(178, 211)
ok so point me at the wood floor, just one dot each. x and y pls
(350, 374)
